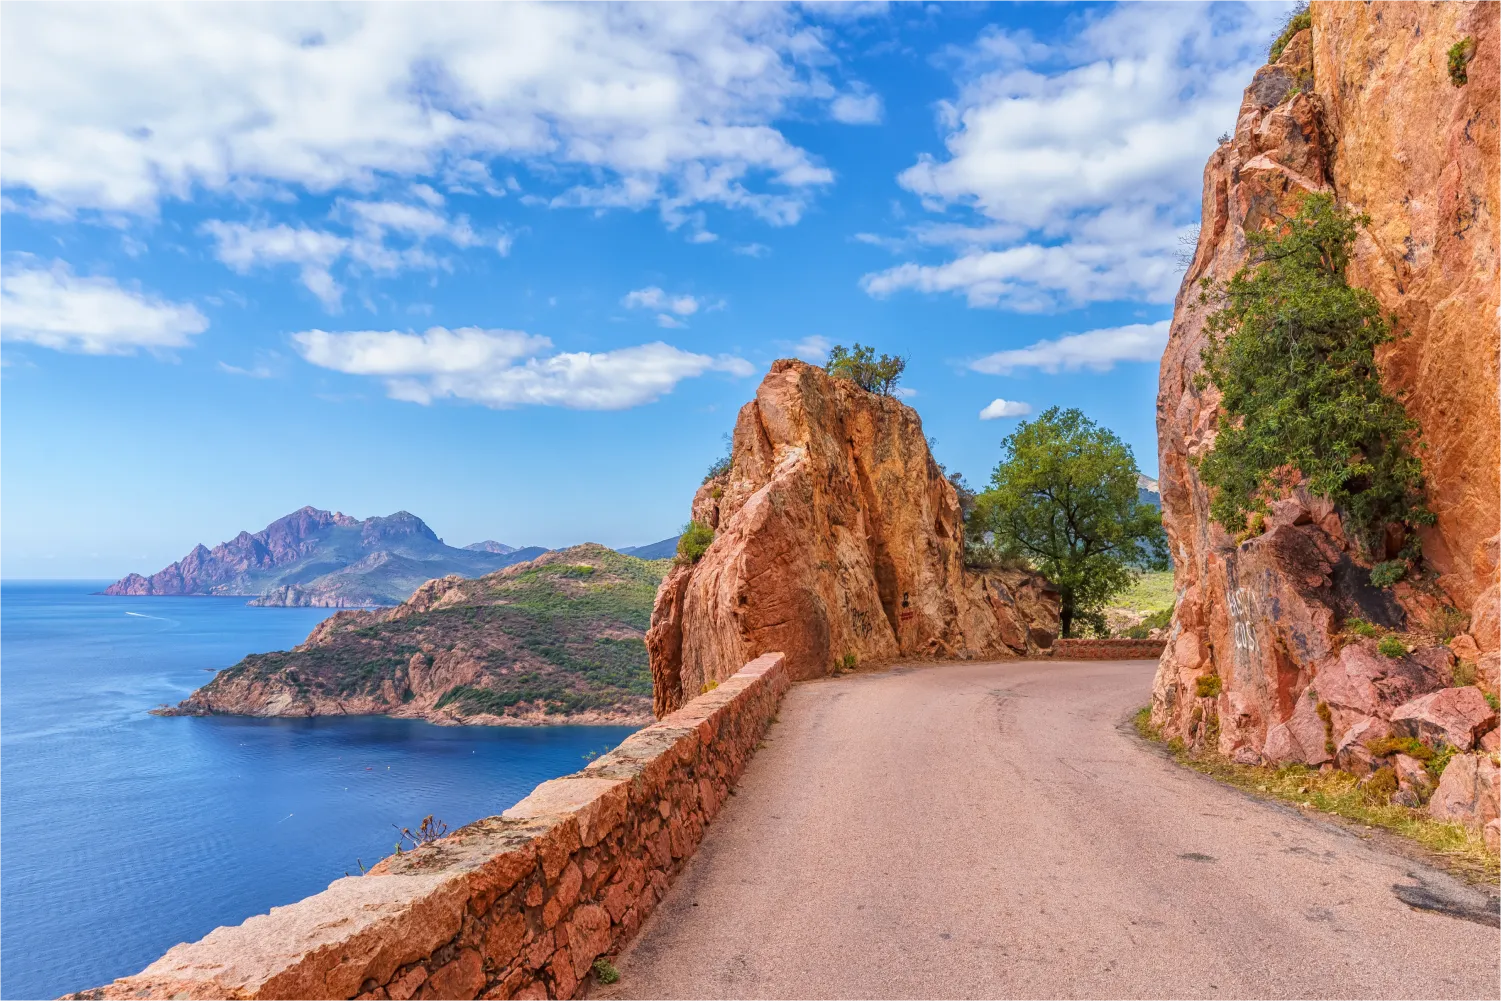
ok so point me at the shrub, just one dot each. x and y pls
(694, 542)
(1159, 619)
(1460, 54)
(1388, 573)
(721, 465)
(861, 366)
(1327, 718)
(1381, 784)
(847, 662)
(1292, 350)
(1298, 19)
(1492, 701)
(1447, 622)
(1465, 673)
(605, 971)
(1410, 746)
(1391, 646)
(1360, 627)
(1208, 686)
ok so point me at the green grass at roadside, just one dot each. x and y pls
(1340, 794)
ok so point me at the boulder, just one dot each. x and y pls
(1492, 835)
(1302, 737)
(1353, 750)
(837, 536)
(1454, 716)
(1468, 791)
(1414, 783)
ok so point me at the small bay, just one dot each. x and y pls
(124, 833)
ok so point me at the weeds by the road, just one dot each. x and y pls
(1338, 793)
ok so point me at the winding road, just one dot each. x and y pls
(997, 830)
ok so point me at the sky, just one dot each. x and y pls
(514, 268)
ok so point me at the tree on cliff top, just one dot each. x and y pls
(1064, 497)
(1292, 352)
(861, 366)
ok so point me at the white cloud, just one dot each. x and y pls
(258, 372)
(509, 368)
(653, 297)
(57, 309)
(668, 105)
(856, 109)
(904, 392)
(1004, 408)
(814, 350)
(671, 322)
(753, 250)
(368, 246)
(1080, 163)
(1096, 350)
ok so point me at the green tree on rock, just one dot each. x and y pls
(1064, 498)
(1292, 352)
(861, 366)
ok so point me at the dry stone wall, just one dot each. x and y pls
(515, 906)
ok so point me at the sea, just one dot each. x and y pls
(123, 834)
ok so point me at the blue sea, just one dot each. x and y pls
(122, 834)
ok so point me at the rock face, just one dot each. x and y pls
(836, 536)
(555, 640)
(324, 559)
(1361, 105)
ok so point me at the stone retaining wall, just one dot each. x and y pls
(518, 905)
(1071, 649)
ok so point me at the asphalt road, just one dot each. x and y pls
(996, 830)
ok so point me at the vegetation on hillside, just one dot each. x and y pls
(562, 634)
(1292, 351)
(1064, 498)
(860, 365)
(1297, 19)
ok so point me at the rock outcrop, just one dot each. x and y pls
(836, 537)
(555, 640)
(1362, 106)
(324, 559)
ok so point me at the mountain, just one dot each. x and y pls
(1147, 492)
(557, 639)
(321, 558)
(664, 550)
(491, 546)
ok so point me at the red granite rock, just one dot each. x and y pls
(1454, 716)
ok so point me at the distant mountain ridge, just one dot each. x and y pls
(558, 639)
(666, 549)
(325, 559)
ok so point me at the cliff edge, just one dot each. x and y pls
(836, 536)
(1361, 105)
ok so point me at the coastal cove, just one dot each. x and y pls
(127, 833)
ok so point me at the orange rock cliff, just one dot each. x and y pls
(1362, 105)
(836, 535)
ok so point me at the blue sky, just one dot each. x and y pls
(514, 268)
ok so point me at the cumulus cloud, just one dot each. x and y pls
(998, 408)
(653, 297)
(508, 368)
(57, 309)
(1096, 350)
(669, 106)
(856, 109)
(1079, 163)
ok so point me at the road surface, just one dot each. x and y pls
(997, 830)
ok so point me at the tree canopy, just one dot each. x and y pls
(860, 365)
(1064, 497)
(1292, 351)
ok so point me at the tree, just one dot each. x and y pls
(861, 366)
(1064, 498)
(1292, 351)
